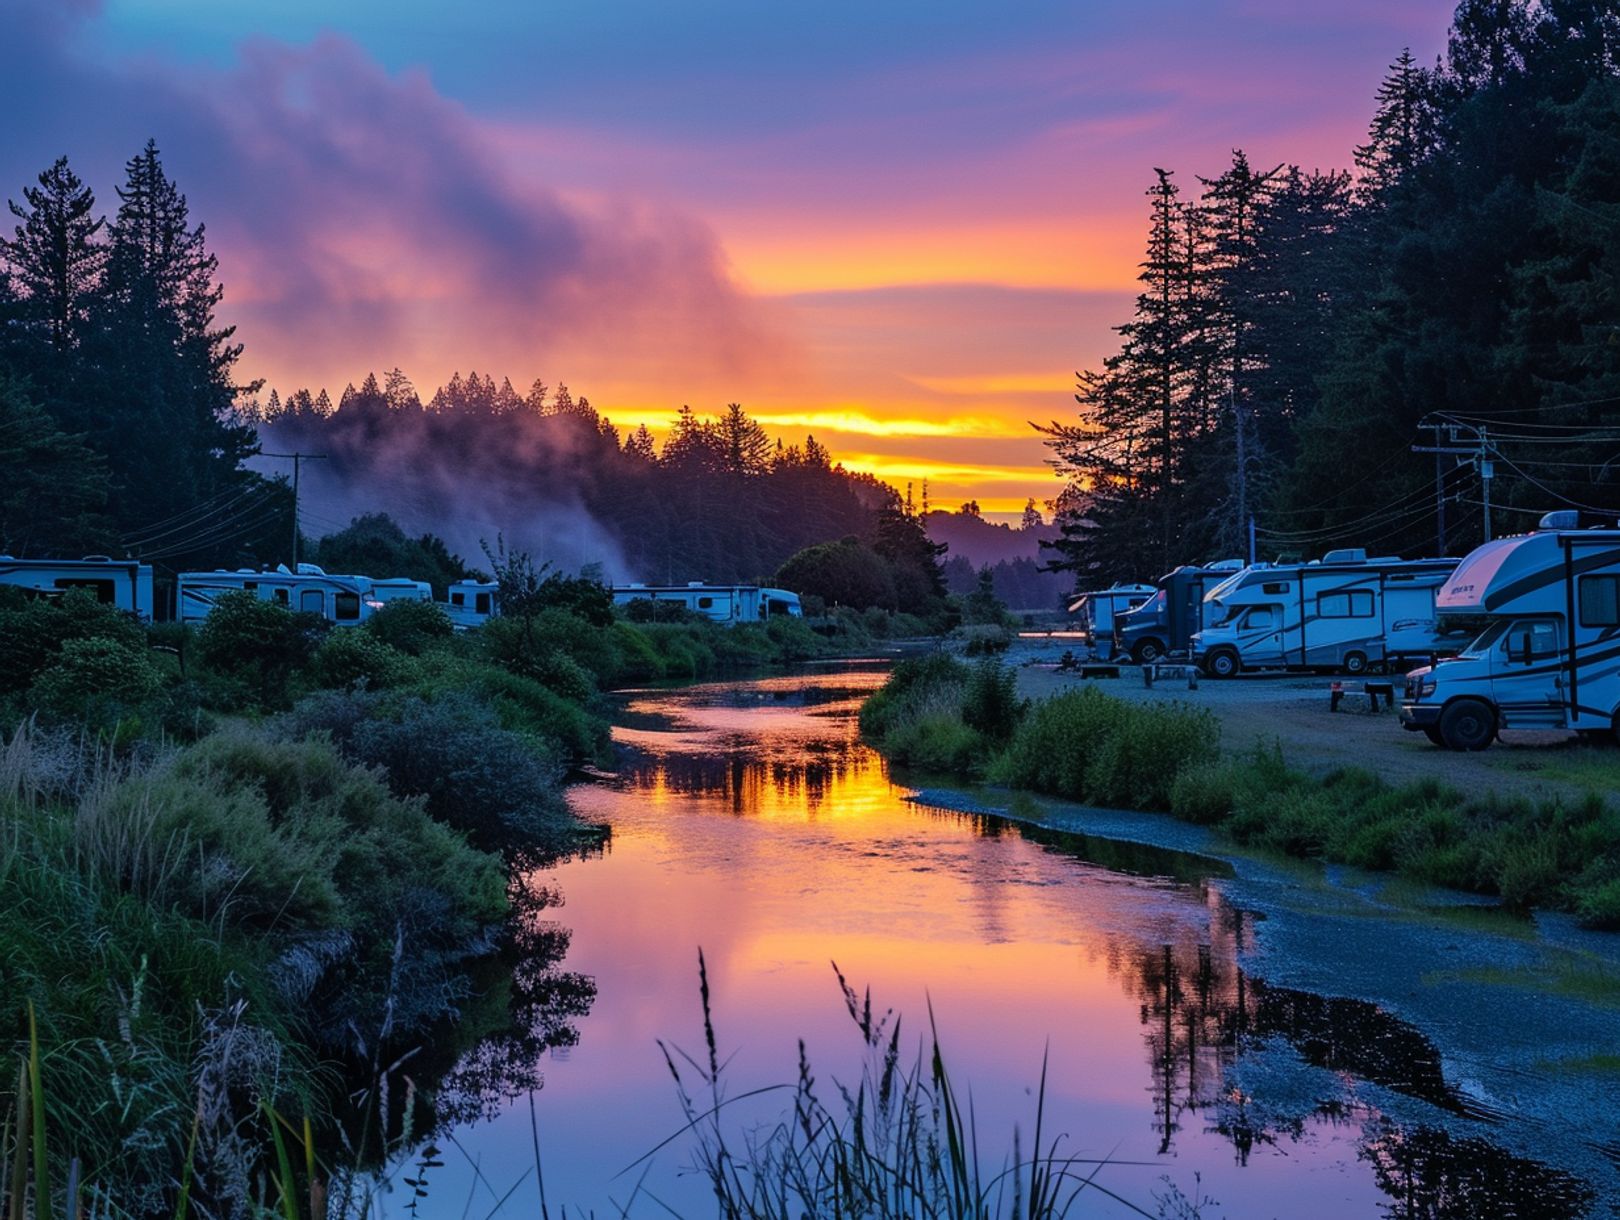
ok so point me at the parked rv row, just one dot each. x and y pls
(346, 600)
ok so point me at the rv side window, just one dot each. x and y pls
(346, 607)
(705, 603)
(458, 599)
(1600, 601)
(312, 600)
(1536, 640)
(1261, 618)
(281, 597)
(1353, 603)
(103, 589)
(481, 605)
(1274, 587)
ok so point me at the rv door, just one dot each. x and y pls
(1526, 679)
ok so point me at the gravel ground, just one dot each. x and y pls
(1293, 710)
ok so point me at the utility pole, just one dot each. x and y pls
(297, 459)
(1476, 448)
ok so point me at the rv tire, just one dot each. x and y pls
(1147, 651)
(1432, 732)
(1222, 663)
(1468, 724)
(1355, 663)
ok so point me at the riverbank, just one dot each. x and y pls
(1171, 755)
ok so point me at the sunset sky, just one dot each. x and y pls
(901, 226)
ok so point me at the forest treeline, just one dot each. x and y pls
(719, 500)
(1297, 331)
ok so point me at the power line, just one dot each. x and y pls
(297, 460)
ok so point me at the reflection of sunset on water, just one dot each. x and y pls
(749, 819)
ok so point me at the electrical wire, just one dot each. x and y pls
(1409, 502)
(195, 516)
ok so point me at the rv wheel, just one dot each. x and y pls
(1355, 663)
(1147, 652)
(1222, 663)
(1433, 734)
(1467, 724)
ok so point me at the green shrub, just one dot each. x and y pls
(1053, 747)
(35, 629)
(990, 702)
(558, 728)
(1144, 748)
(96, 680)
(936, 741)
(1599, 905)
(357, 657)
(257, 646)
(410, 626)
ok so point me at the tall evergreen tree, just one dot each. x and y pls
(54, 255)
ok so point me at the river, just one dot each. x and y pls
(749, 820)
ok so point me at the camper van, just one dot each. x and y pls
(113, 582)
(1166, 621)
(343, 600)
(471, 603)
(1343, 611)
(721, 603)
(1541, 614)
(1094, 612)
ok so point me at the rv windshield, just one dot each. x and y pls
(1486, 639)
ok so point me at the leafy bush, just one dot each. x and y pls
(558, 728)
(1146, 747)
(354, 657)
(990, 702)
(96, 680)
(257, 646)
(35, 629)
(474, 775)
(985, 639)
(410, 626)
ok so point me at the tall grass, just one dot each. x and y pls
(897, 1143)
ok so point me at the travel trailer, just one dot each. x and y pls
(1165, 622)
(344, 600)
(114, 582)
(721, 603)
(1542, 612)
(400, 588)
(471, 603)
(1094, 612)
(1343, 611)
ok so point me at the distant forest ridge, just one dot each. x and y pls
(719, 500)
(1298, 332)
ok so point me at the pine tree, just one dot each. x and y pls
(639, 445)
(54, 256)
(1404, 128)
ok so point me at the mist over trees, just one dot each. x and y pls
(719, 500)
(1294, 327)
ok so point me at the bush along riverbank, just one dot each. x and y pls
(939, 714)
(263, 922)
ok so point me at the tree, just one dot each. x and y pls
(54, 255)
(1405, 126)
(53, 488)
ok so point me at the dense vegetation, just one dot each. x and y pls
(937, 713)
(1296, 331)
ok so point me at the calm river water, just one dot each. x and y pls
(750, 821)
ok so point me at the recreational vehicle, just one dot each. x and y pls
(344, 600)
(113, 582)
(471, 603)
(1095, 611)
(720, 603)
(1343, 611)
(1542, 611)
(1166, 621)
(400, 588)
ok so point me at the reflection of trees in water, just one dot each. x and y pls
(1200, 1013)
(803, 772)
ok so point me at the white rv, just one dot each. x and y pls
(1094, 612)
(113, 582)
(400, 588)
(1343, 611)
(471, 603)
(720, 603)
(344, 600)
(1542, 611)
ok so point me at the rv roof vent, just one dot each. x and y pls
(1563, 519)
(282, 568)
(311, 569)
(1349, 554)
(98, 558)
(1226, 565)
(694, 584)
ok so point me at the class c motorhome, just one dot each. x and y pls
(1094, 612)
(343, 600)
(1166, 622)
(719, 603)
(471, 603)
(1542, 614)
(1341, 612)
(123, 583)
